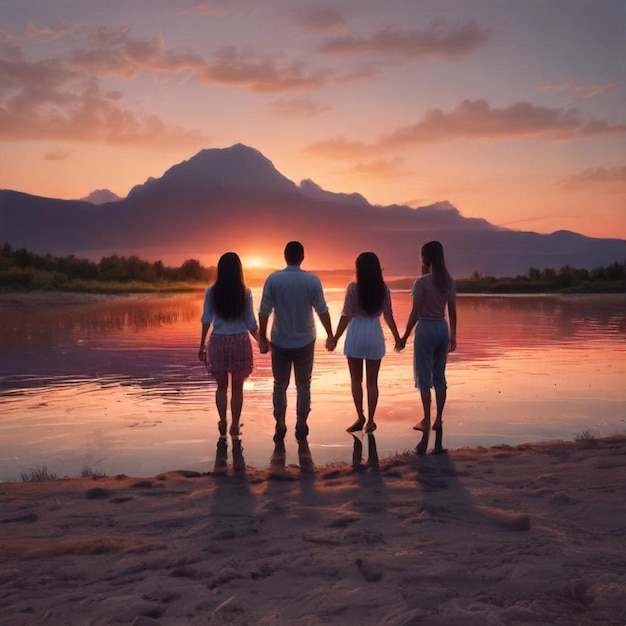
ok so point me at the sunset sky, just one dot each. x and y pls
(512, 110)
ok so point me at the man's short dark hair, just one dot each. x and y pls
(294, 253)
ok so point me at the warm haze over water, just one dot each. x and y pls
(513, 111)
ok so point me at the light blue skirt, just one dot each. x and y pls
(365, 339)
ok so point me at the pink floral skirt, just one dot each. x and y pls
(229, 353)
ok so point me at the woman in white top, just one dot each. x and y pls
(228, 306)
(432, 293)
(366, 300)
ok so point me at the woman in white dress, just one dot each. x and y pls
(366, 300)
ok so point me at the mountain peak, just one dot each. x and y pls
(101, 196)
(235, 168)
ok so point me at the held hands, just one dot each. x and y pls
(264, 346)
(400, 344)
(331, 344)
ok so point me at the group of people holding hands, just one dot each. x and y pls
(291, 295)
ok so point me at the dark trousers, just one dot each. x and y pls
(301, 359)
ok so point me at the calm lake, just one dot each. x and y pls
(114, 382)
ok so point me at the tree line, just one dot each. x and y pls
(567, 279)
(21, 269)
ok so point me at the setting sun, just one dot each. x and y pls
(254, 261)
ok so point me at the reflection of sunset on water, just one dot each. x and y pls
(116, 382)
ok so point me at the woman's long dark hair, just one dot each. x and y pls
(370, 286)
(229, 289)
(432, 258)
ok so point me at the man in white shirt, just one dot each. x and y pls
(292, 294)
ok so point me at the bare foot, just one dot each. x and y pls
(437, 425)
(421, 426)
(370, 427)
(358, 425)
(235, 430)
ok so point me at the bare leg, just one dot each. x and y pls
(221, 399)
(372, 367)
(356, 386)
(425, 394)
(424, 425)
(236, 402)
(440, 399)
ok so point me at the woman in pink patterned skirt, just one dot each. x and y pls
(228, 306)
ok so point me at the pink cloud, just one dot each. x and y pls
(610, 179)
(89, 118)
(580, 91)
(239, 69)
(477, 120)
(378, 168)
(116, 53)
(48, 100)
(18, 74)
(323, 20)
(298, 107)
(438, 40)
(216, 7)
(57, 31)
(362, 72)
(7, 37)
(55, 99)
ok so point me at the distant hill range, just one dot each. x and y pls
(235, 199)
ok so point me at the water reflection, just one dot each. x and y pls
(357, 452)
(220, 467)
(78, 379)
(152, 338)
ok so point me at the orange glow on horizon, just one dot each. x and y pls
(257, 262)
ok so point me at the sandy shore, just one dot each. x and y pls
(533, 534)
